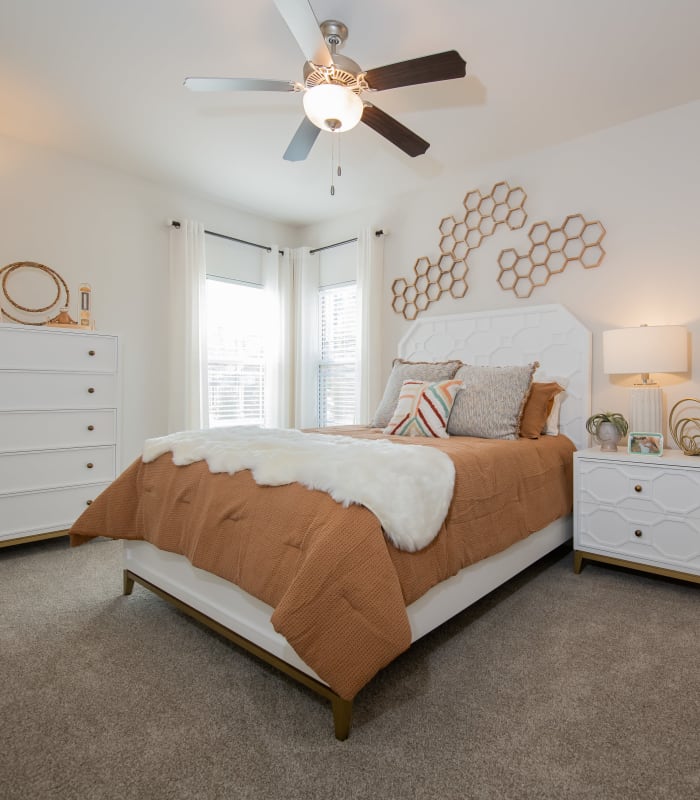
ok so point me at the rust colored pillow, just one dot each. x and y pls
(537, 408)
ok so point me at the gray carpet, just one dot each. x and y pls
(555, 686)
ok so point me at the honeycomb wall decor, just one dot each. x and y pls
(551, 251)
(458, 237)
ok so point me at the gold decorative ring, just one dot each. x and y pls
(57, 279)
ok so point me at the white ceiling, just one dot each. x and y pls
(102, 79)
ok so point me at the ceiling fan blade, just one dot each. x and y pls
(394, 131)
(304, 26)
(438, 67)
(302, 141)
(237, 85)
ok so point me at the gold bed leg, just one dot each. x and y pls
(128, 582)
(578, 562)
(342, 717)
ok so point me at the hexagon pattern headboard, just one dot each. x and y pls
(549, 334)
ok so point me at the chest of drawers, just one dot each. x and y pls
(638, 511)
(59, 418)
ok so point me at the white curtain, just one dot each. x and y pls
(187, 389)
(370, 273)
(277, 282)
(305, 267)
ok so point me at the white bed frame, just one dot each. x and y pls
(548, 334)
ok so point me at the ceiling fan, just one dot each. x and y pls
(333, 84)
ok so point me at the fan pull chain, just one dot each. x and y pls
(336, 169)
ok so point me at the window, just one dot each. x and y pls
(236, 331)
(337, 369)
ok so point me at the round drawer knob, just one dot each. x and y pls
(91, 427)
(91, 390)
(88, 502)
(638, 533)
(637, 488)
(91, 352)
(90, 465)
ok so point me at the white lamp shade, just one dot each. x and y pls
(649, 348)
(332, 107)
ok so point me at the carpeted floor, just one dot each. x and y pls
(555, 686)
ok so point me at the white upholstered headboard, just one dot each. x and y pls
(549, 334)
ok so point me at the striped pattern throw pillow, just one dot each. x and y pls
(423, 408)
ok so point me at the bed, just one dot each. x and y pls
(549, 335)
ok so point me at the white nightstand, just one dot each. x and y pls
(638, 511)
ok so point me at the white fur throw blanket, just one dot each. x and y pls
(407, 488)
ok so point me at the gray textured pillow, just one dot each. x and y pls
(492, 401)
(410, 370)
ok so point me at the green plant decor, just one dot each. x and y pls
(608, 427)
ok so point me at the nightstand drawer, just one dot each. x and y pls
(53, 468)
(628, 533)
(667, 490)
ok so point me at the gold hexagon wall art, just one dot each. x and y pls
(551, 251)
(458, 237)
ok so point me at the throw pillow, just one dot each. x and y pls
(492, 402)
(410, 370)
(537, 408)
(423, 408)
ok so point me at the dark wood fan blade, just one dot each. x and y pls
(438, 67)
(302, 141)
(237, 85)
(304, 26)
(394, 131)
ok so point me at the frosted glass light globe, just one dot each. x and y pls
(332, 107)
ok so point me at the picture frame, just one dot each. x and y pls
(645, 444)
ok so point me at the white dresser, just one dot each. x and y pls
(638, 511)
(59, 415)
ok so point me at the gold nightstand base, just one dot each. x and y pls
(36, 537)
(582, 555)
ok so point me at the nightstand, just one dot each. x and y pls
(638, 511)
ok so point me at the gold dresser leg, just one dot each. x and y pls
(128, 582)
(342, 717)
(578, 562)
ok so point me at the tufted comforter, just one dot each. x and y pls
(339, 589)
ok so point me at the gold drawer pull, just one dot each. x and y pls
(90, 465)
(88, 502)
(91, 390)
(91, 352)
(91, 427)
(638, 533)
(637, 488)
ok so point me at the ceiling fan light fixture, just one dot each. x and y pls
(333, 107)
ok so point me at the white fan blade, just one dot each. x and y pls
(302, 141)
(304, 26)
(237, 85)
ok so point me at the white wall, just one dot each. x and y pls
(641, 179)
(109, 229)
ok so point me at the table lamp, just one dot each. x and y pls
(648, 348)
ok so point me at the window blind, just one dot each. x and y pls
(236, 330)
(337, 369)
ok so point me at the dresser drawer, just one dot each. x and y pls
(57, 390)
(657, 539)
(28, 349)
(39, 430)
(668, 490)
(40, 512)
(51, 468)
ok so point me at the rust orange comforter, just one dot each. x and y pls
(339, 589)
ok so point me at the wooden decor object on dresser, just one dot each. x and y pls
(59, 407)
(638, 511)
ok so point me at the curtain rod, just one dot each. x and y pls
(340, 244)
(175, 224)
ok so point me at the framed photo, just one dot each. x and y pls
(645, 444)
